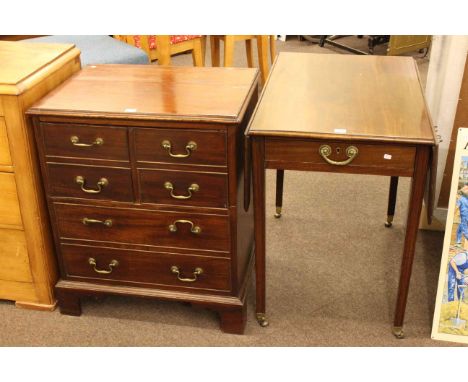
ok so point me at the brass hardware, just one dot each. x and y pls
(193, 188)
(112, 265)
(278, 212)
(196, 273)
(398, 332)
(389, 221)
(194, 228)
(107, 222)
(262, 320)
(100, 185)
(351, 153)
(76, 142)
(191, 146)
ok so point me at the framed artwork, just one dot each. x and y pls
(451, 310)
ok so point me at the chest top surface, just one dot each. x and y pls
(151, 92)
(20, 61)
(345, 97)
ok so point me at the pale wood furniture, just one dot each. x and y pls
(162, 47)
(144, 181)
(345, 114)
(401, 44)
(264, 43)
(27, 265)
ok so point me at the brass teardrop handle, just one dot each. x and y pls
(198, 271)
(100, 185)
(107, 222)
(351, 153)
(194, 228)
(193, 188)
(191, 146)
(76, 142)
(112, 265)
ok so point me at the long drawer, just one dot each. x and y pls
(143, 227)
(90, 182)
(180, 146)
(146, 267)
(337, 154)
(183, 188)
(84, 141)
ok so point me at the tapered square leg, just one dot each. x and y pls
(279, 192)
(391, 200)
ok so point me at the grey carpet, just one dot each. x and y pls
(332, 275)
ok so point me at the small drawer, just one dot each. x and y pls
(90, 182)
(340, 155)
(82, 141)
(143, 227)
(5, 158)
(183, 188)
(146, 267)
(180, 146)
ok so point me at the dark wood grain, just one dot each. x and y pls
(57, 141)
(211, 146)
(134, 226)
(212, 188)
(63, 183)
(146, 267)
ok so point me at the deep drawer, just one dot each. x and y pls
(146, 267)
(180, 146)
(83, 141)
(183, 188)
(135, 226)
(90, 182)
(368, 155)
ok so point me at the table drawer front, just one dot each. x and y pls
(83, 141)
(146, 267)
(143, 227)
(368, 155)
(5, 158)
(90, 182)
(180, 146)
(183, 188)
(10, 214)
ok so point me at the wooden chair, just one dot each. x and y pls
(263, 42)
(163, 47)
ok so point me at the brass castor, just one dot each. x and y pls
(389, 221)
(398, 332)
(278, 212)
(262, 321)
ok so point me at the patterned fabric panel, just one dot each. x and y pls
(175, 39)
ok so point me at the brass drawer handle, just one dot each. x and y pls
(194, 228)
(107, 222)
(193, 188)
(196, 273)
(351, 153)
(191, 146)
(112, 265)
(76, 142)
(100, 185)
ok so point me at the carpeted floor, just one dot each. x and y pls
(332, 275)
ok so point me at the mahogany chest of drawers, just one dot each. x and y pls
(143, 171)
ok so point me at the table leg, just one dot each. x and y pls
(258, 178)
(414, 211)
(391, 200)
(279, 192)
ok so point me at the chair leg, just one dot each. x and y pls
(164, 50)
(279, 192)
(197, 53)
(262, 44)
(272, 48)
(228, 50)
(249, 52)
(214, 47)
(391, 200)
